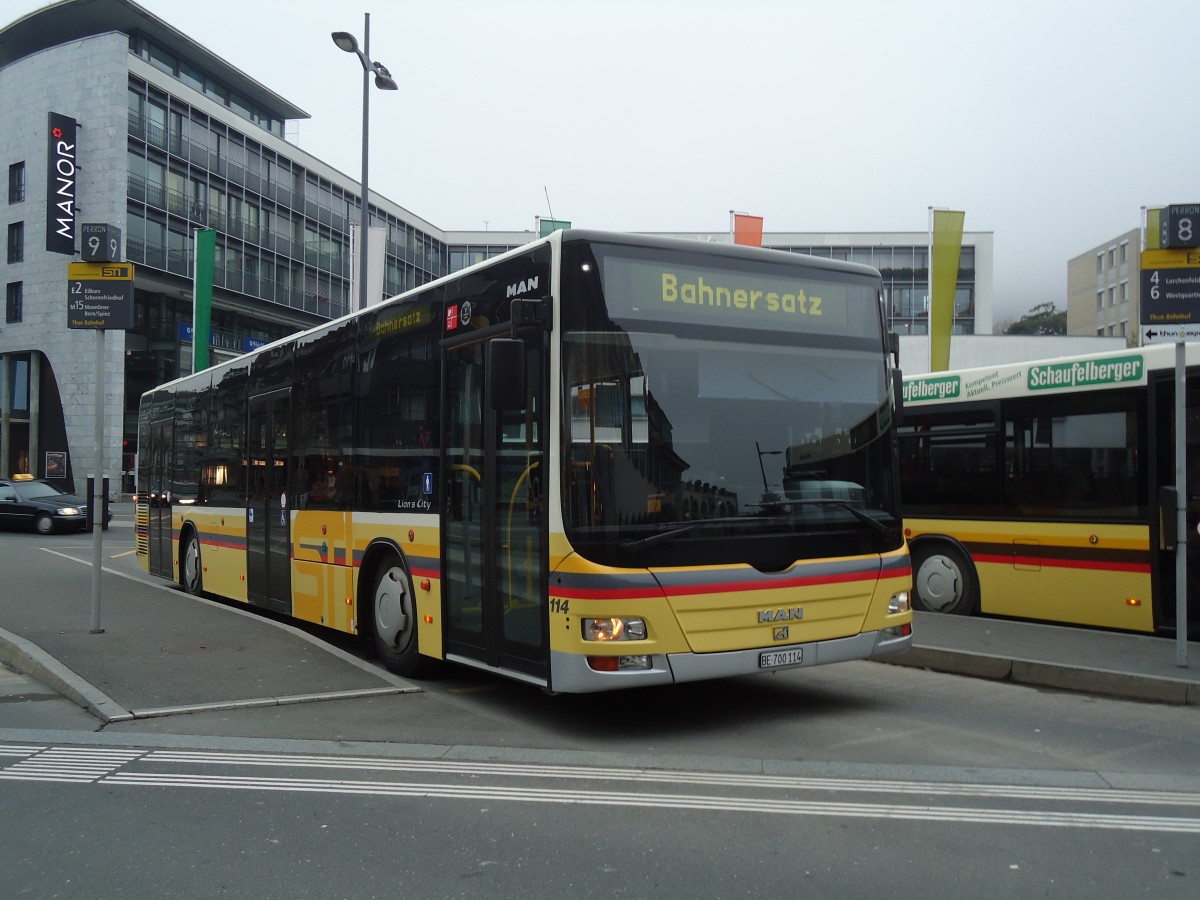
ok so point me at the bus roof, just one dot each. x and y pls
(575, 234)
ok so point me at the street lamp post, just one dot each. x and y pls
(383, 80)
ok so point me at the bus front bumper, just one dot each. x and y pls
(572, 674)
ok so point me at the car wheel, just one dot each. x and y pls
(944, 580)
(44, 523)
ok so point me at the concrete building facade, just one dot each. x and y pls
(1104, 289)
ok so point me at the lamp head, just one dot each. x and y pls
(383, 78)
(346, 41)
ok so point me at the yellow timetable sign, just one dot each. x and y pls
(100, 271)
(1185, 258)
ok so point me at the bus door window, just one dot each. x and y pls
(518, 513)
(463, 526)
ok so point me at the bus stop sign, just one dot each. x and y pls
(1170, 302)
(100, 295)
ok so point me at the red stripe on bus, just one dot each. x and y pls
(1061, 563)
(728, 587)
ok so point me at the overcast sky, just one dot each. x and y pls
(1049, 123)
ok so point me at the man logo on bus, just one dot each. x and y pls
(521, 287)
(781, 615)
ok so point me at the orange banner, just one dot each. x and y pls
(747, 230)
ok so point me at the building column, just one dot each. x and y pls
(35, 408)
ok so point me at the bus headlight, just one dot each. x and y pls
(614, 629)
(898, 603)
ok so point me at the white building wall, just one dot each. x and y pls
(971, 350)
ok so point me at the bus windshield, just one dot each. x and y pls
(709, 440)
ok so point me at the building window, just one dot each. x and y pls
(1112, 296)
(16, 182)
(16, 242)
(1124, 291)
(1112, 257)
(1099, 300)
(13, 306)
(1099, 263)
(1124, 252)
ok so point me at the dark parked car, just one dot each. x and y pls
(42, 505)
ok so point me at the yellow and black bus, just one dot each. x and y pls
(1045, 490)
(596, 461)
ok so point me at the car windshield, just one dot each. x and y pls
(34, 490)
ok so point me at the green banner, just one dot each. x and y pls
(943, 280)
(943, 387)
(202, 284)
(549, 226)
(1087, 372)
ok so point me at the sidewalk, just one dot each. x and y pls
(161, 651)
(1105, 663)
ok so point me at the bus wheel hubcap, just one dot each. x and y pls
(391, 605)
(939, 582)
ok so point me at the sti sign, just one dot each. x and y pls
(60, 184)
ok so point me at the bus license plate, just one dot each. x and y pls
(780, 658)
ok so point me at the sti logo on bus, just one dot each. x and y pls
(521, 287)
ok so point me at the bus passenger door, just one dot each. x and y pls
(1165, 429)
(494, 522)
(157, 497)
(268, 532)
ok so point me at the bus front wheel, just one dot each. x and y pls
(944, 580)
(394, 618)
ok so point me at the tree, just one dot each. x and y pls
(1042, 319)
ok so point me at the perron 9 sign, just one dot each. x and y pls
(60, 184)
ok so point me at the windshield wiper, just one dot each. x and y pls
(875, 525)
(636, 545)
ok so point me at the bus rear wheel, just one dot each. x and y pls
(191, 576)
(944, 581)
(394, 618)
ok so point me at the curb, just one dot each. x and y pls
(30, 659)
(1079, 679)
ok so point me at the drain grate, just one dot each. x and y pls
(195, 647)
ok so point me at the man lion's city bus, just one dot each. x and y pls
(593, 462)
(1046, 490)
